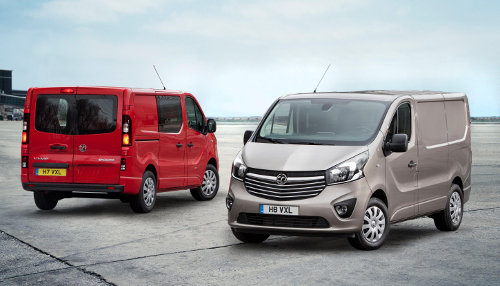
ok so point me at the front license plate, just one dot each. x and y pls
(281, 210)
(50, 172)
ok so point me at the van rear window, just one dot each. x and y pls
(52, 114)
(96, 113)
(80, 114)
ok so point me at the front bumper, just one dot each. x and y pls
(320, 206)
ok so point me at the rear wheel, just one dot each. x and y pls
(375, 227)
(145, 200)
(45, 201)
(249, 237)
(450, 218)
(209, 186)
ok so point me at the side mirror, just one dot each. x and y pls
(399, 144)
(211, 126)
(247, 136)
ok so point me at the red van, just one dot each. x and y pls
(113, 142)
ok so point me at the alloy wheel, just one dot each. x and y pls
(148, 191)
(373, 224)
(455, 208)
(209, 182)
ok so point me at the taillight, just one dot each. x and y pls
(24, 162)
(127, 130)
(26, 128)
(123, 164)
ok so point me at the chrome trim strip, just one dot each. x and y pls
(290, 179)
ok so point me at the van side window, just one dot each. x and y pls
(169, 113)
(195, 118)
(52, 114)
(401, 122)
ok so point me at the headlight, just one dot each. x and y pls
(239, 168)
(348, 170)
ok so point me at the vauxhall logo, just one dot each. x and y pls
(281, 179)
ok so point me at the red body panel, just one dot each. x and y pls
(99, 162)
(41, 144)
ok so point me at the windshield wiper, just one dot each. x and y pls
(307, 143)
(272, 140)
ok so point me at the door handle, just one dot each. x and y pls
(190, 145)
(179, 145)
(412, 164)
(58, 147)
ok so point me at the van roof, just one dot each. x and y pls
(132, 89)
(379, 95)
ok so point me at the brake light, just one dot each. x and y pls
(126, 130)
(24, 162)
(67, 90)
(26, 128)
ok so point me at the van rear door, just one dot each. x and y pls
(97, 141)
(50, 136)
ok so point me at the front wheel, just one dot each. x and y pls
(45, 201)
(375, 227)
(450, 218)
(249, 237)
(209, 186)
(145, 200)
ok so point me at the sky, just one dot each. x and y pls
(237, 57)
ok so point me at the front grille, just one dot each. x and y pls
(283, 220)
(299, 185)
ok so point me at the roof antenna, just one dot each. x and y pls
(159, 77)
(322, 78)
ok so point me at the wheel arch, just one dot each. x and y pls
(152, 169)
(380, 194)
(458, 181)
(212, 161)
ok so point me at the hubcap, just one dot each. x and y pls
(209, 182)
(373, 224)
(455, 208)
(148, 191)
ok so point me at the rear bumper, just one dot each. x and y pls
(74, 188)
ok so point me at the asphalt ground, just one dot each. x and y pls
(186, 242)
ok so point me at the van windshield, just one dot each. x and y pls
(326, 121)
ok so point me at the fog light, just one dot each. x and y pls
(229, 202)
(345, 208)
(341, 210)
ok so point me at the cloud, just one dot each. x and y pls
(91, 11)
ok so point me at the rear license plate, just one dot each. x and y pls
(50, 172)
(281, 210)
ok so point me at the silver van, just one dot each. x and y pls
(352, 163)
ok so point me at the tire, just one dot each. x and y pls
(450, 218)
(375, 227)
(249, 237)
(209, 187)
(45, 201)
(145, 200)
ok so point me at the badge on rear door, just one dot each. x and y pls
(83, 148)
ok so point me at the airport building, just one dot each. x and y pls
(11, 100)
